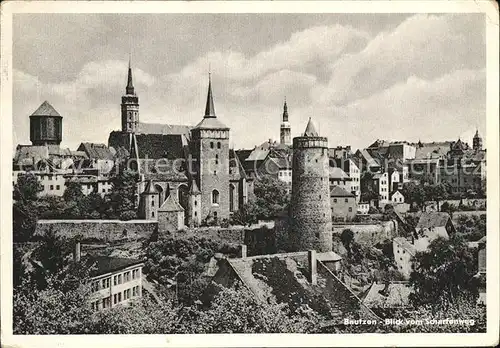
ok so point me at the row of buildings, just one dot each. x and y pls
(209, 181)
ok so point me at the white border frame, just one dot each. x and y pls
(8, 8)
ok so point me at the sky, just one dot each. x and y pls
(360, 77)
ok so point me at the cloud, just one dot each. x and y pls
(424, 46)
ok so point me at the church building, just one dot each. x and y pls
(194, 166)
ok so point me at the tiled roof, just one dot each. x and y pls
(432, 150)
(211, 123)
(311, 129)
(106, 264)
(396, 295)
(25, 154)
(160, 128)
(46, 110)
(96, 151)
(283, 277)
(171, 204)
(152, 146)
(432, 219)
(337, 173)
(337, 191)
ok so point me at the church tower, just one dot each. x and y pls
(130, 106)
(477, 142)
(149, 202)
(310, 215)
(285, 129)
(210, 148)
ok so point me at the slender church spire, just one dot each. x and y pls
(285, 112)
(130, 84)
(209, 108)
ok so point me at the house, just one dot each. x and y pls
(403, 251)
(363, 208)
(386, 299)
(297, 279)
(435, 224)
(339, 178)
(348, 165)
(113, 280)
(397, 197)
(343, 204)
(381, 186)
(99, 157)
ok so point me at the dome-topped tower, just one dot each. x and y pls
(45, 126)
(311, 219)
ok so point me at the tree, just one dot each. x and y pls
(367, 192)
(347, 237)
(448, 208)
(443, 272)
(414, 194)
(123, 194)
(24, 211)
(73, 192)
(437, 192)
(27, 188)
(236, 310)
(271, 198)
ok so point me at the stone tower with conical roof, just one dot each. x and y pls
(130, 106)
(285, 128)
(149, 202)
(45, 126)
(477, 142)
(310, 214)
(210, 149)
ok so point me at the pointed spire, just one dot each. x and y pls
(209, 108)
(477, 133)
(285, 112)
(130, 84)
(311, 129)
(150, 188)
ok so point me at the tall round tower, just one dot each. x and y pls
(311, 219)
(477, 142)
(45, 126)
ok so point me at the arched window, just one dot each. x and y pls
(218, 144)
(211, 144)
(215, 197)
(231, 197)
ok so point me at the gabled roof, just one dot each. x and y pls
(236, 169)
(96, 151)
(160, 128)
(337, 173)
(395, 295)
(46, 110)
(337, 191)
(433, 219)
(283, 277)
(107, 264)
(171, 205)
(311, 129)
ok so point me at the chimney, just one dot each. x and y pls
(77, 253)
(313, 273)
(243, 251)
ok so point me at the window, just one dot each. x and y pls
(119, 297)
(215, 197)
(51, 187)
(211, 144)
(152, 214)
(216, 159)
(126, 276)
(350, 209)
(115, 298)
(58, 187)
(106, 302)
(95, 286)
(215, 172)
(195, 214)
(218, 144)
(346, 200)
(335, 200)
(114, 280)
(105, 283)
(119, 278)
